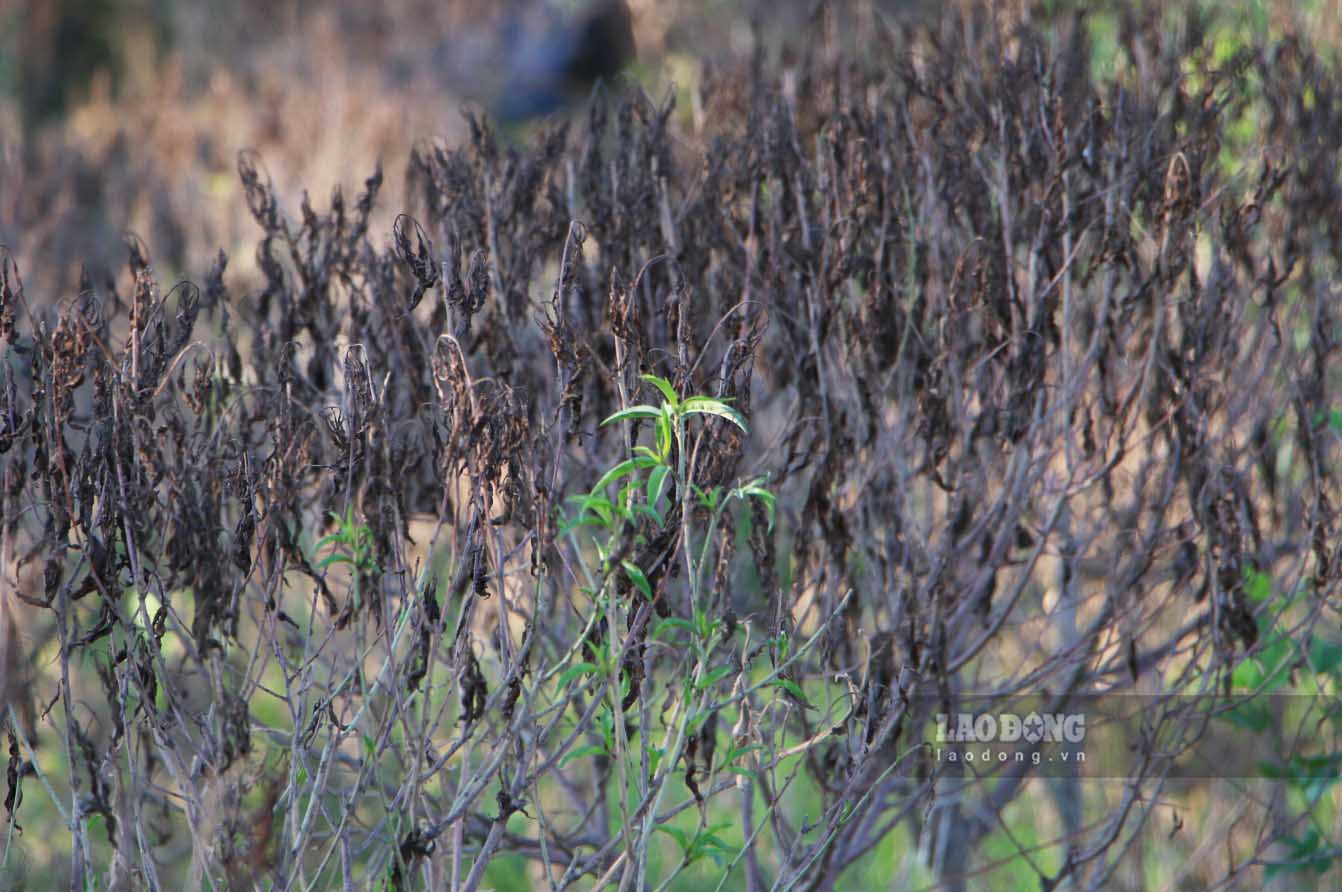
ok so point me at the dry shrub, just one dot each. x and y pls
(1040, 366)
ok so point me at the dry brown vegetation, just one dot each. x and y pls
(1037, 361)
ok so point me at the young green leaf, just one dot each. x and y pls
(656, 481)
(702, 405)
(671, 624)
(668, 392)
(654, 758)
(665, 428)
(680, 836)
(583, 751)
(794, 689)
(633, 412)
(708, 499)
(638, 578)
(337, 558)
(628, 466)
(651, 513)
(598, 505)
(574, 671)
(713, 677)
(755, 490)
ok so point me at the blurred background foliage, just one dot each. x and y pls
(128, 115)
